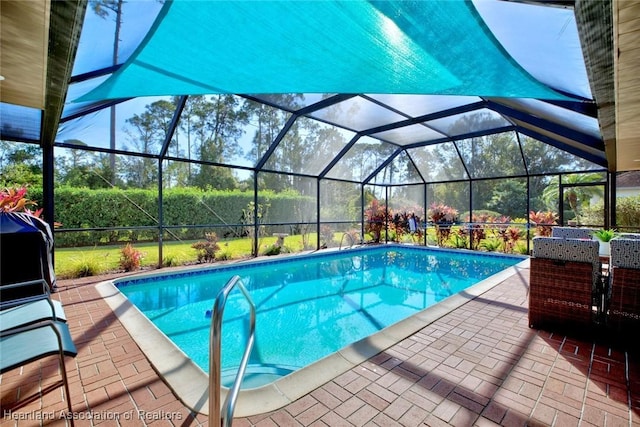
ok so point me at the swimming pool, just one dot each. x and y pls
(307, 307)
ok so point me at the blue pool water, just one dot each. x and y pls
(307, 306)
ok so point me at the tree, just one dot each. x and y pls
(147, 133)
(509, 198)
(577, 196)
(103, 8)
(217, 123)
(268, 122)
(82, 168)
(20, 164)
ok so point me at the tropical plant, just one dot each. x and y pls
(577, 196)
(207, 248)
(439, 213)
(491, 245)
(443, 216)
(130, 258)
(477, 229)
(510, 237)
(376, 215)
(459, 239)
(543, 222)
(604, 235)
(85, 268)
(15, 200)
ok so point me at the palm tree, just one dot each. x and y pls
(576, 193)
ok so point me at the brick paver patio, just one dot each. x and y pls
(479, 365)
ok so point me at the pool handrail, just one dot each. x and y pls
(353, 241)
(224, 416)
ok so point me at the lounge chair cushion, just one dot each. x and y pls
(24, 345)
(31, 312)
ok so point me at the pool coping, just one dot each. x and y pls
(190, 383)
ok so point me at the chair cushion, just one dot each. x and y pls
(41, 340)
(566, 249)
(577, 250)
(625, 252)
(572, 232)
(31, 312)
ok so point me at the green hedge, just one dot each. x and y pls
(85, 208)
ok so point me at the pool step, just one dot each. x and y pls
(257, 375)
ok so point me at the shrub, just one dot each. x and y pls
(272, 250)
(543, 222)
(520, 248)
(491, 245)
(459, 239)
(207, 248)
(224, 255)
(84, 267)
(130, 258)
(439, 212)
(170, 261)
(375, 217)
(276, 250)
(326, 235)
(628, 212)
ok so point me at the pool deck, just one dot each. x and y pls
(479, 364)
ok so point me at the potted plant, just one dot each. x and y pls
(604, 236)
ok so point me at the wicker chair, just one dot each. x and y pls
(572, 232)
(565, 283)
(624, 303)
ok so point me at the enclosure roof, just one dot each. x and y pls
(283, 47)
(409, 66)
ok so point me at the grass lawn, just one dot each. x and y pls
(91, 261)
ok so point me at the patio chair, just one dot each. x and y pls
(572, 232)
(565, 283)
(26, 311)
(26, 344)
(23, 292)
(623, 316)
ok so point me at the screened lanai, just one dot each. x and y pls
(318, 113)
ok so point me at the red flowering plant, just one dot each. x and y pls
(477, 229)
(130, 258)
(376, 215)
(543, 222)
(15, 200)
(443, 216)
(441, 213)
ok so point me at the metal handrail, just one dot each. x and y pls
(224, 416)
(353, 241)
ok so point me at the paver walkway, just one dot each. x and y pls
(479, 365)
